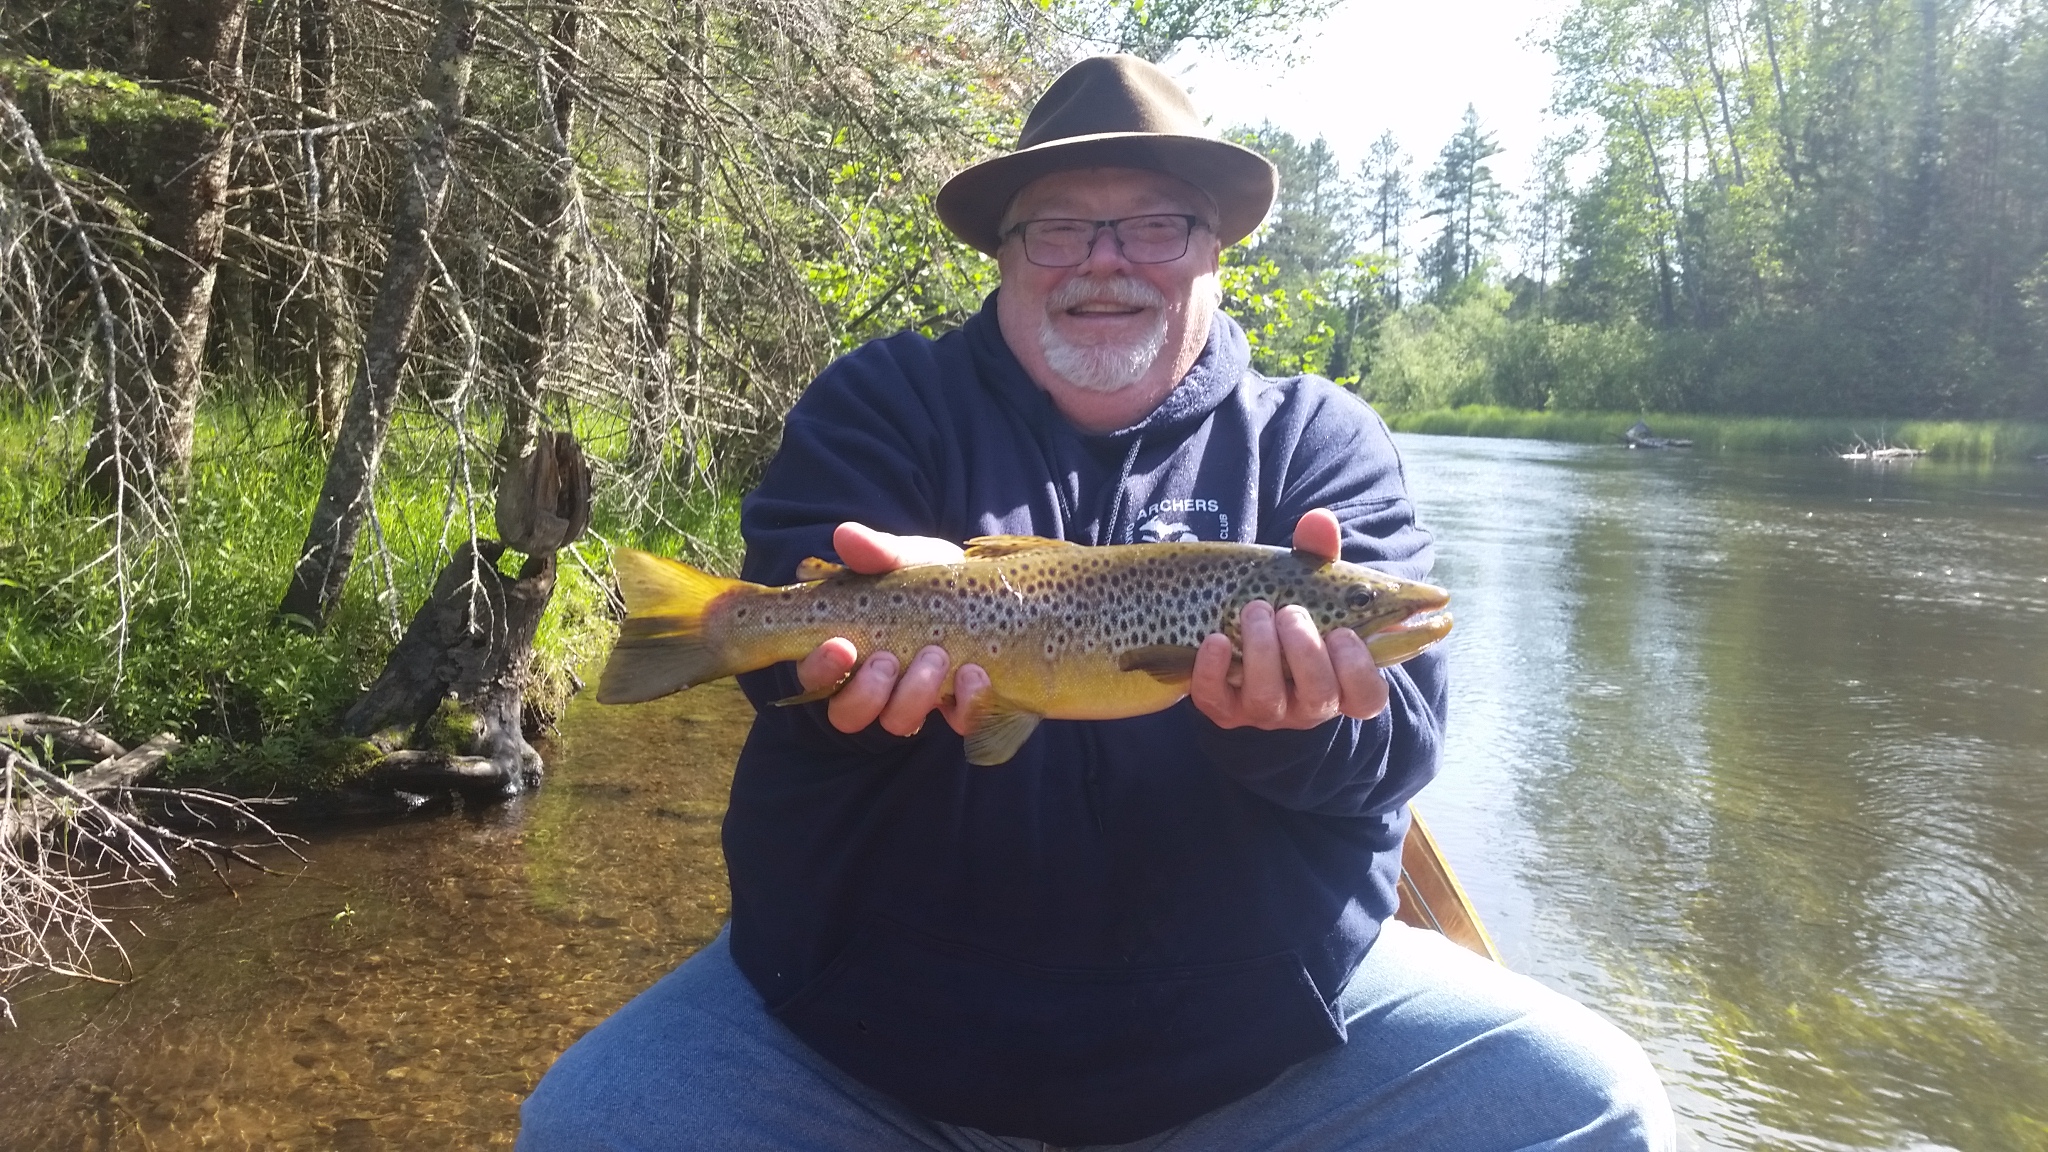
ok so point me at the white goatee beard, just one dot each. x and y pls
(1108, 367)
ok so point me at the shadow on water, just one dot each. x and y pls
(407, 986)
(1751, 754)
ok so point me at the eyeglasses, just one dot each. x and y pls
(1155, 239)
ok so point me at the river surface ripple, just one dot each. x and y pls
(1749, 753)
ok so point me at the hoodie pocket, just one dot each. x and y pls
(1068, 1056)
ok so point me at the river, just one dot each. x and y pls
(1750, 753)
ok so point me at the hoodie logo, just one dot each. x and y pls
(1182, 521)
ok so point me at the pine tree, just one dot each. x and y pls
(1463, 194)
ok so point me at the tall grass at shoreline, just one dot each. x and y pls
(197, 651)
(2000, 441)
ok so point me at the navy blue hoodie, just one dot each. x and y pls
(1133, 921)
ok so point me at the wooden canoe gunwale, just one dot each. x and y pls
(1431, 896)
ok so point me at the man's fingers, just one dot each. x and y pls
(1263, 699)
(917, 692)
(1308, 664)
(1317, 532)
(1362, 691)
(871, 553)
(970, 683)
(861, 701)
(827, 664)
(1210, 688)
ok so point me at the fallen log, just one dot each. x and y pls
(75, 739)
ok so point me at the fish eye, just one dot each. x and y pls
(1359, 597)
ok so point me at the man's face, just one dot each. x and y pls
(1108, 332)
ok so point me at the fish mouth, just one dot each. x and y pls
(1426, 621)
(1408, 638)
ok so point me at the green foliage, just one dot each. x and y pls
(94, 95)
(201, 656)
(1470, 349)
(1834, 209)
(1155, 29)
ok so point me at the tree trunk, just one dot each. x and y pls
(447, 709)
(542, 324)
(142, 432)
(693, 360)
(345, 495)
(1721, 91)
(450, 692)
(326, 318)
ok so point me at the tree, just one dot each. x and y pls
(346, 494)
(1464, 195)
(1545, 214)
(1312, 224)
(1155, 29)
(1388, 196)
(142, 434)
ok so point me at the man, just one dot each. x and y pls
(1167, 932)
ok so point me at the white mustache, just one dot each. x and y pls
(1121, 290)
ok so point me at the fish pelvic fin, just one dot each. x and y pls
(1000, 729)
(990, 547)
(1166, 663)
(662, 647)
(821, 692)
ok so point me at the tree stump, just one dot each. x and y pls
(447, 709)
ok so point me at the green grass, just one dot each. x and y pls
(1967, 441)
(200, 655)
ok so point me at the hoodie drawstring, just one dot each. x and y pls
(1123, 480)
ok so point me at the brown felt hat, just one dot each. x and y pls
(1112, 112)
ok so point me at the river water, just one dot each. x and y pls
(1750, 753)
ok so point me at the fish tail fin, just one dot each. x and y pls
(663, 646)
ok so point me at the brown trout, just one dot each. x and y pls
(1064, 631)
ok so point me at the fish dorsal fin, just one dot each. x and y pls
(990, 547)
(1000, 728)
(813, 568)
(1166, 663)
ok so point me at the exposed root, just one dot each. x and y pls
(67, 842)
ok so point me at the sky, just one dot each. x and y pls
(1406, 65)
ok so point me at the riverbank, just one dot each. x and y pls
(1971, 441)
(172, 628)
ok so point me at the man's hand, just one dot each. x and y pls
(1330, 675)
(901, 698)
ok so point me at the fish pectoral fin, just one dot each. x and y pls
(990, 547)
(1166, 663)
(1000, 728)
(812, 568)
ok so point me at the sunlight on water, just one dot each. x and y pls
(1753, 754)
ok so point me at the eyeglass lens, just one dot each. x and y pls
(1142, 239)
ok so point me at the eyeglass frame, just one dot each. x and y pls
(1187, 240)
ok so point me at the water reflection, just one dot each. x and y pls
(1766, 742)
